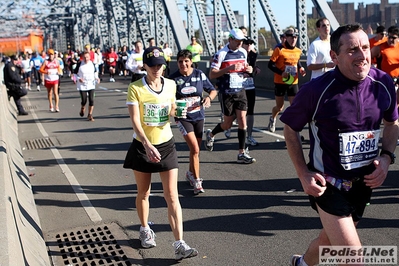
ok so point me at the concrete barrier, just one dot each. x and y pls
(21, 239)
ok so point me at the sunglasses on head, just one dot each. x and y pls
(291, 35)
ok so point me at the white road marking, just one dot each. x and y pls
(268, 133)
(106, 89)
(84, 200)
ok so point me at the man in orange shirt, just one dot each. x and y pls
(286, 66)
(389, 52)
(379, 37)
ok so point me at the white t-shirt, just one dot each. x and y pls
(319, 53)
(26, 65)
(89, 76)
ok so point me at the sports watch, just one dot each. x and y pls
(390, 154)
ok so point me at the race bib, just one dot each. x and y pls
(291, 70)
(111, 60)
(124, 57)
(248, 83)
(156, 114)
(52, 71)
(236, 81)
(193, 104)
(358, 149)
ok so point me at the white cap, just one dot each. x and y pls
(237, 34)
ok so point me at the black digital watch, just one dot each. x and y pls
(390, 154)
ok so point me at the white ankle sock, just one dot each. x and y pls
(178, 242)
(142, 228)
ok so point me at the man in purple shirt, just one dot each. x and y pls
(344, 109)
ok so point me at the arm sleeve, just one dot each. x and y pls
(272, 67)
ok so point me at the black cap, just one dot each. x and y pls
(13, 57)
(248, 41)
(153, 56)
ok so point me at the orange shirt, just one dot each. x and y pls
(374, 42)
(390, 59)
(286, 60)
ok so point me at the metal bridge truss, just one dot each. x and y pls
(210, 46)
(301, 23)
(115, 23)
(274, 27)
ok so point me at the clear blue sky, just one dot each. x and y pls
(285, 10)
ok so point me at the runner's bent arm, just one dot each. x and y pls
(308, 179)
(378, 176)
(215, 73)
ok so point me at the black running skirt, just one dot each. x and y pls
(136, 157)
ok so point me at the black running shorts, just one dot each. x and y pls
(136, 157)
(186, 127)
(281, 89)
(344, 203)
(232, 102)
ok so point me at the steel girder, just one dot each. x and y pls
(230, 14)
(253, 25)
(274, 27)
(176, 24)
(160, 22)
(102, 24)
(210, 47)
(142, 12)
(218, 31)
(190, 17)
(301, 23)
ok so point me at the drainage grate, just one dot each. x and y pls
(30, 107)
(39, 143)
(99, 245)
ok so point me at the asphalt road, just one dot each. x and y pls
(249, 214)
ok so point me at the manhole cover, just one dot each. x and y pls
(103, 244)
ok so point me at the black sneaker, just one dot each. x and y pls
(23, 113)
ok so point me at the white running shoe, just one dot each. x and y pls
(244, 158)
(112, 80)
(183, 251)
(147, 238)
(272, 124)
(38, 88)
(198, 186)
